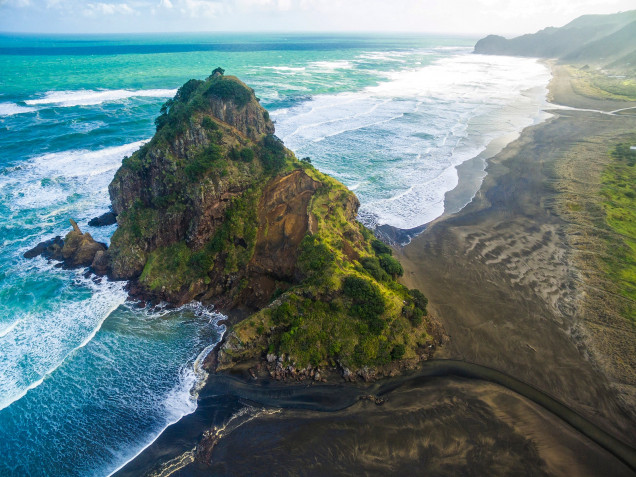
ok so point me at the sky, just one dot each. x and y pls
(469, 17)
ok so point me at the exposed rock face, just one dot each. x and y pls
(108, 218)
(75, 251)
(79, 248)
(50, 249)
(283, 221)
(214, 208)
(250, 120)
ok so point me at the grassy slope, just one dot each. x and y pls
(619, 193)
(322, 320)
(600, 85)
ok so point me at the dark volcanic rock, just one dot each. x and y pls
(77, 250)
(51, 249)
(80, 248)
(109, 218)
(100, 263)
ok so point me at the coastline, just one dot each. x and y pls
(530, 322)
(527, 314)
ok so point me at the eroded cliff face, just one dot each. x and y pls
(215, 188)
(214, 208)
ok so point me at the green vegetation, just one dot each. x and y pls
(347, 308)
(175, 267)
(203, 161)
(619, 192)
(600, 84)
(607, 41)
(274, 154)
(341, 302)
(229, 90)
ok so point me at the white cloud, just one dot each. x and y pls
(16, 3)
(475, 17)
(202, 8)
(95, 9)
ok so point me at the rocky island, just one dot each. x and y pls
(215, 209)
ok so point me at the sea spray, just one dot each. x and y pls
(399, 143)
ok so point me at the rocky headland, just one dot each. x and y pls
(215, 209)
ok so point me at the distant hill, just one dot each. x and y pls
(604, 39)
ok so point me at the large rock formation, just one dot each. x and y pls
(214, 208)
(77, 250)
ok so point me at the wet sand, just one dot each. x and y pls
(500, 275)
(449, 426)
(448, 418)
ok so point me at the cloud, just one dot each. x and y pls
(463, 16)
(202, 8)
(95, 9)
(15, 3)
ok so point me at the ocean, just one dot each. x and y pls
(87, 380)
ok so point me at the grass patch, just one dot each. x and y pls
(619, 191)
(597, 84)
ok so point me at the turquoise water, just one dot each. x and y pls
(87, 380)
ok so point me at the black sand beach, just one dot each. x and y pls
(501, 276)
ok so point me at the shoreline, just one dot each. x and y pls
(597, 404)
(512, 240)
(199, 433)
(472, 172)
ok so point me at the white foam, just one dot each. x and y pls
(48, 181)
(9, 109)
(399, 143)
(284, 69)
(182, 399)
(92, 97)
(47, 338)
(330, 66)
(10, 328)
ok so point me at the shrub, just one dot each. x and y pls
(272, 153)
(229, 90)
(283, 314)
(398, 351)
(161, 121)
(208, 124)
(247, 154)
(203, 161)
(391, 265)
(372, 266)
(314, 256)
(187, 90)
(368, 303)
(419, 300)
(415, 316)
(381, 248)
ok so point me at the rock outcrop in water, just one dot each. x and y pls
(77, 250)
(214, 208)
